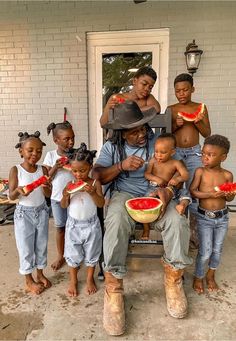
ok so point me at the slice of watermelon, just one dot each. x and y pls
(192, 117)
(35, 184)
(76, 186)
(228, 187)
(67, 167)
(64, 160)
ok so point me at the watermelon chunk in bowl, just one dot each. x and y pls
(227, 187)
(192, 116)
(75, 186)
(144, 209)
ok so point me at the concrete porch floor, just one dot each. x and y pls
(55, 316)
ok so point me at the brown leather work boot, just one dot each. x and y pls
(114, 312)
(176, 300)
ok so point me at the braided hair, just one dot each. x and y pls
(82, 154)
(25, 136)
(54, 127)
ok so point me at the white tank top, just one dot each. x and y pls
(82, 206)
(35, 198)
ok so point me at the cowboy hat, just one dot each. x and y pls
(128, 115)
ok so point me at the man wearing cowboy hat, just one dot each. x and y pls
(122, 163)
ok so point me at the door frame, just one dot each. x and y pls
(114, 41)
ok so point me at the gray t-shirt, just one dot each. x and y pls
(135, 183)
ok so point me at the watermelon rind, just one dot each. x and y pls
(67, 167)
(192, 117)
(78, 188)
(144, 215)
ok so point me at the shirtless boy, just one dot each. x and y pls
(212, 216)
(143, 82)
(188, 133)
(164, 171)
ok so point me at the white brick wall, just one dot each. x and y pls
(43, 66)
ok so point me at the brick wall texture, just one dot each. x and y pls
(43, 67)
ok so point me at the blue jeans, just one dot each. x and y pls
(211, 234)
(59, 214)
(192, 159)
(31, 233)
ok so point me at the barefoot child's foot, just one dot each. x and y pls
(58, 263)
(146, 232)
(43, 280)
(198, 285)
(33, 287)
(91, 286)
(210, 280)
(73, 289)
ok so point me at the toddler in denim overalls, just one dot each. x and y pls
(83, 235)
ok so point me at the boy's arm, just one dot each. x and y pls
(195, 185)
(177, 121)
(183, 173)
(202, 123)
(112, 101)
(149, 174)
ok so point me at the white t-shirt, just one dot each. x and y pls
(61, 178)
(36, 197)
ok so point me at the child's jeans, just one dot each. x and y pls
(31, 233)
(211, 234)
(192, 159)
(59, 214)
(83, 241)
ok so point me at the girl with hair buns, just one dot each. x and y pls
(31, 213)
(63, 136)
(83, 238)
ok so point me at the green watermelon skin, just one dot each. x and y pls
(227, 187)
(144, 209)
(76, 186)
(192, 116)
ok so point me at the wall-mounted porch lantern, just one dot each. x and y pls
(192, 57)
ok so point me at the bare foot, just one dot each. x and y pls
(34, 288)
(91, 286)
(44, 280)
(145, 235)
(198, 285)
(73, 290)
(58, 263)
(210, 280)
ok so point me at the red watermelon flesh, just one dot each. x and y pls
(35, 184)
(228, 187)
(192, 116)
(76, 186)
(144, 209)
(64, 160)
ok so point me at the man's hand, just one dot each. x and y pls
(165, 195)
(132, 163)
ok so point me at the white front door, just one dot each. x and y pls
(99, 44)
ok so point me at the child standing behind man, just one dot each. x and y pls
(188, 133)
(212, 216)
